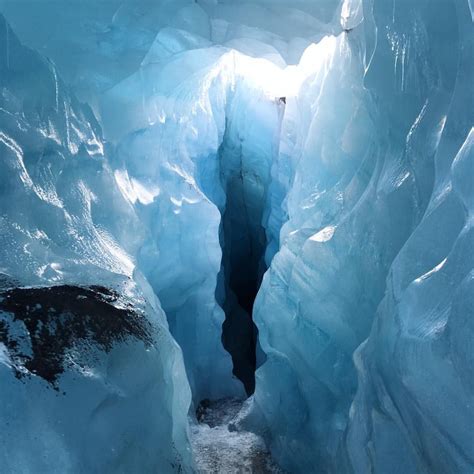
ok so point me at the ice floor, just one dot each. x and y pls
(220, 447)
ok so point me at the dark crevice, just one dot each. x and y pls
(245, 158)
(243, 243)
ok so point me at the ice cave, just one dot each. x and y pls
(236, 236)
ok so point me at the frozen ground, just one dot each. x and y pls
(218, 446)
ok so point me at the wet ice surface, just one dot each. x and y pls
(219, 448)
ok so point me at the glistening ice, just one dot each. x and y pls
(236, 236)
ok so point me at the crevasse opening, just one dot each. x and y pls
(249, 146)
(243, 242)
(175, 174)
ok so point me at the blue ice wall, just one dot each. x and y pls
(91, 379)
(329, 142)
(359, 309)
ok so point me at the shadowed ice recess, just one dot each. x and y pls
(236, 236)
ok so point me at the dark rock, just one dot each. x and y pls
(60, 318)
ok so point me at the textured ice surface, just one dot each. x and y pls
(91, 379)
(348, 173)
(424, 324)
(377, 205)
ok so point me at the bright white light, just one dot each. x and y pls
(285, 82)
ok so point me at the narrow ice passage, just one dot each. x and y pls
(243, 241)
(227, 118)
(176, 174)
(248, 149)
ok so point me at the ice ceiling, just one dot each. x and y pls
(213, 199)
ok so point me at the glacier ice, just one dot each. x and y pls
(370, 261)
(313, 156)
(212, 150)
(91, 379)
